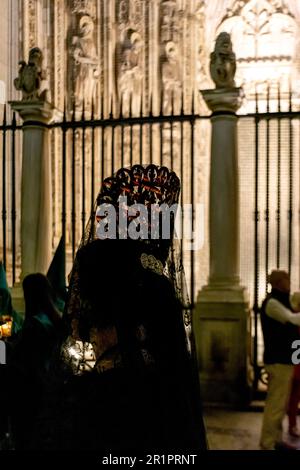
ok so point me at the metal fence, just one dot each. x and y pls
(269, 172)
(91, 145)
(94, 147)
(10, 194)
(88, 146)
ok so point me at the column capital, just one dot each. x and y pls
(39, 111)
(226, 100)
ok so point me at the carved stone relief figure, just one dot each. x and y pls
(130, 75)
(31, 79)
(201, 52)
(86, 62)
(170, 64)
(171, 76)
(222, 62)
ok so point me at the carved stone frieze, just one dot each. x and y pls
(137, 11)
(32, 23)
(169, 25)
(59, 54)
(84, 7)
(122, 11)
(269, 7)
(201, 53)
(264, 33)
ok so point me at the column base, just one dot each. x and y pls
(221, 324)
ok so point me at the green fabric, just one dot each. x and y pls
(44, 320)
(57, 274)
(3, 281)
(6, 307)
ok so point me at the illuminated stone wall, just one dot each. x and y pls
(156, 45)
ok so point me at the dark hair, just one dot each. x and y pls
(39, 297)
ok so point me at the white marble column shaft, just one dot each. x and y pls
(224, 188)
(36, 193)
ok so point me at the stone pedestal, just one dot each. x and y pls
(222, 333)
(36, 197)
(221, 317)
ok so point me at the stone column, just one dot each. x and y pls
(221, 318)
(36, 194)
(224, 191)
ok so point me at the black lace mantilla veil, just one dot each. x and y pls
(128, 299)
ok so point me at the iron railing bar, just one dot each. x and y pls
(278, 210)
(192, 202)
(256, 249)
(73, 210)
(107, 122)
(171, 132)
(130, 131)
(291, 187)
(4, 187)
(141, 132)
(13, 198)
(267, 217)
(93, 162)
(83, 172)
(151, 130)
(272, 115)
(181, 192)
(64, 158)
(11, 127)
(102, 138)
(112, 150)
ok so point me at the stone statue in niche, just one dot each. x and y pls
(86, 62)
(170, 76)
(31, 79)
(130, 75)
(223, 62)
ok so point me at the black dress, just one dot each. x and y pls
(149, 398)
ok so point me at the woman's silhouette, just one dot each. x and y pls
(124, 300)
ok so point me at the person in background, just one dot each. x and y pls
(56, 275)
(31, 356)
(292, 409)
(11, 324)
(280, 329)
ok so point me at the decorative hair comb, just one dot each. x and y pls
(141, 185)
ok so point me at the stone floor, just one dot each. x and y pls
(237, 430)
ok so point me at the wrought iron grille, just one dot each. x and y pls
(269, 149)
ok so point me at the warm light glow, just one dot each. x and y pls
(82, 354)
(6, 326)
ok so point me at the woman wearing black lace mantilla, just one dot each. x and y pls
(125, 298)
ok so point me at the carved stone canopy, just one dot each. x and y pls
(84, 7)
